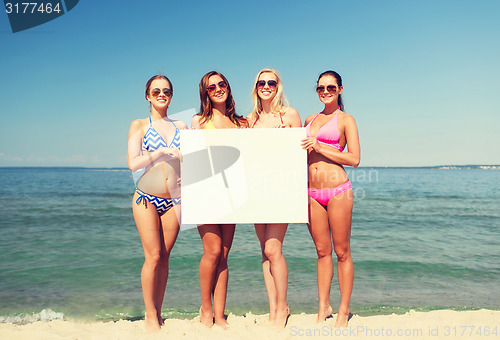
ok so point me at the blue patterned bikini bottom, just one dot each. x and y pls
(161, 204)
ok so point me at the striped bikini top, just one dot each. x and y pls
(153, 140)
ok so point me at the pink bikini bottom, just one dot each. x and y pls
(323, 196)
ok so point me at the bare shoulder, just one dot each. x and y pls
(180, 124)
(195, 121)
(137, 125)
(291, 112)
(346, 118)
(250, 119)
(308, 119)
(292, 117)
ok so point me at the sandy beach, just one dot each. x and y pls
(442, 324)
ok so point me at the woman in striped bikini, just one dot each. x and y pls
(154, 159)
(217, 111)
(270, 111)
(330, 191)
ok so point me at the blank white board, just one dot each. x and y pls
(243, 176)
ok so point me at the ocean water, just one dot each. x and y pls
(422, 239)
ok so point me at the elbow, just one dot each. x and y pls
(355, 162)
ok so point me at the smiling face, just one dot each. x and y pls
(266, 92)
(329, 90)
(161, 100)
(216, 90)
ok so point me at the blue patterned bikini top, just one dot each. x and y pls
(153, 140)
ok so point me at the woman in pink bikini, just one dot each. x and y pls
(330, 191)
(270, 112)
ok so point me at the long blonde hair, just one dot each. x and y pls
(278, 104)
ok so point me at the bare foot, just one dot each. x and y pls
(282, 318)
(222, 323)
(152, 325)
(272, 315)
(206, 318)
(342, 318)
(324, 313)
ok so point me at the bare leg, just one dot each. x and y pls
(320, 232)
(169, 231)
(222, 275)
(340, 215)
(212, 244)
(148, 225)
(260, 230)
(275, 234)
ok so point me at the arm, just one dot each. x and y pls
(351, 157)
(137, 161)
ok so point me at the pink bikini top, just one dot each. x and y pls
(328, 134)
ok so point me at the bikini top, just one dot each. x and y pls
(210, 125)
(281, 117)
(153, 140)
(328, 134)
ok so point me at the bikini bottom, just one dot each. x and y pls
(323, 196)
(161, 204)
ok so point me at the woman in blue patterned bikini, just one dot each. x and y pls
(154, 159)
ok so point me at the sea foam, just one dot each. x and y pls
(45, 315)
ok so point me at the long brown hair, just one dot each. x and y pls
(206, 108)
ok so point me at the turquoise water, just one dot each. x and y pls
(421, 238)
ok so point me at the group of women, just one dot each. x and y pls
(154, 158)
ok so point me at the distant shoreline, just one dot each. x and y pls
(438, 167)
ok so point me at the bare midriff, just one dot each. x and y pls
(162, 179)
(324, 173)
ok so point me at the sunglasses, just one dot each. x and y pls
(329, 88)
(222, 85)
(271, 83)
(156, 92)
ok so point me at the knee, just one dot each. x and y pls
(343, 253)
(272, 252)
(153, 259)
(212, 254)
(324, 250)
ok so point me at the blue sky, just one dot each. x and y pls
(420, 77)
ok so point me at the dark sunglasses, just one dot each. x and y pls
(329, 88)
(222, 85)
(271, 83)
(156, 92)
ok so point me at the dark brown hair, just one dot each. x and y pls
(339, 82)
